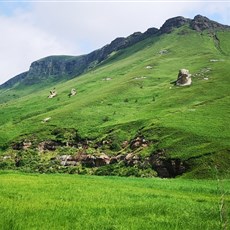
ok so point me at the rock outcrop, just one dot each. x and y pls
(173, 23)
(201, 23)
(165, 167)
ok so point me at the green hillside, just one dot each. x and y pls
(121, 101)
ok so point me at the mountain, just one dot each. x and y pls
(125, 116)
(57, 68)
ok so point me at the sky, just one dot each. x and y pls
(31, 30)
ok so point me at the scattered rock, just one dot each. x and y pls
(107, 79)
(163, 52)
(46, 119)
(53, 93)
(148, 67)
(139, 78)
(73, 92)
(203, 73)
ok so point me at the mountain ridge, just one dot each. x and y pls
(63, 67)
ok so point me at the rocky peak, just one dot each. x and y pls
(172, 23)
(200, 23)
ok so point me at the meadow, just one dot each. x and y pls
(61, 201)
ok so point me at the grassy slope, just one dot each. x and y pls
(89, 202)
(188, 122)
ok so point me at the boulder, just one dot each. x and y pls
(184, 78)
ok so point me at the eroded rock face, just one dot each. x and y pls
(184, 78)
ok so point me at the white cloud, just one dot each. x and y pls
(21, 43)
(74, 28)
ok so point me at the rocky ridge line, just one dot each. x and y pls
(67, 67)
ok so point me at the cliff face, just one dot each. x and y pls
(55, 68)
(67, 67)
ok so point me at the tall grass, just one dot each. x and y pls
(31, 201)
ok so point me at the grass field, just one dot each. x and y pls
(58, 201)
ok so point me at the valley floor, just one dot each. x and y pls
(61, 201)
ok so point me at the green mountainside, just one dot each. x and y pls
(127, 117)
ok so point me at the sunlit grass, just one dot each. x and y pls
(89, 202)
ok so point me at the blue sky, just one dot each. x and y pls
(7, 7)
(31, 30)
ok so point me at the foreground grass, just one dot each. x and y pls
(33, 201)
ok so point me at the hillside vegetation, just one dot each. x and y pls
(127, 98)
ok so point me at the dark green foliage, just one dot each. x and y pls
(66, 136)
